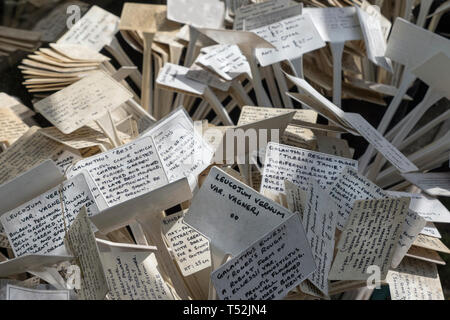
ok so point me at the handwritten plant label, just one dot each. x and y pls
(231, 214)
(82, 102)
(269, 268)
(134, 276)
(190, 248)
(292, 38)
(37, 226)
(298, 165)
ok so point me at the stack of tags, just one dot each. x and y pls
(74, 55)
(232, 175)
(12, 39)
(51, 69)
